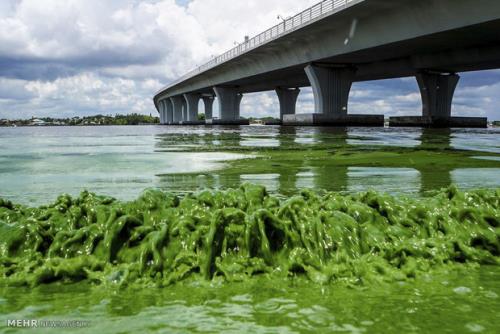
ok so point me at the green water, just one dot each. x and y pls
(442, 289)
(454, 303)
(37, 164)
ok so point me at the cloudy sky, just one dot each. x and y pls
(82, 57)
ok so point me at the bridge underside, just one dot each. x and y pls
(409, 39)
(437, 53)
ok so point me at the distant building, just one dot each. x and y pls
(37, 122)
(4, 122)
(257, 122)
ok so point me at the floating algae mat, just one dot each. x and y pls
(244, 234)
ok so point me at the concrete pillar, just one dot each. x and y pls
(288, 100)
(160, 111)
(169, 111)
(229, 103)
(437, 92)
(331, 87)
(164, 109)
(208, 101)
(192, 101)
(177, 109)
(184, 109)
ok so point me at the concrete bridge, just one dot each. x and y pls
(337, 42)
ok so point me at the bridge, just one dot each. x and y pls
(338, 42)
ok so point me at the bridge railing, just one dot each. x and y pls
(308, 16)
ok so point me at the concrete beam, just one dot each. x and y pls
(177, 109)
(229, 103)
(208, 101)
(430, 34)
(437, 92)
(240, 121)
(331, 87)
(433, 122)
(192, 101)
(326, 120)
(288, 100)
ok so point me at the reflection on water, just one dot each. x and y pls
(435, 176)
(476, 177)
(37, 164)
(270, 181)
(391, 180)
(399, 137)
(287, 176)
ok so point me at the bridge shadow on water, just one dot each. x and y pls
(321, 174)
(309, 158)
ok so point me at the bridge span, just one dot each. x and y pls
(337, 42)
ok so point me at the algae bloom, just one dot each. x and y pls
(233, 235)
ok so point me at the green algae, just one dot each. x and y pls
(434, 166)
(234, 235)
(327, 154)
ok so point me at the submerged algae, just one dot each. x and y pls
(330, 159)
(235, 234)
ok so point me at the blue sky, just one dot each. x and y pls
(82, 57)
(182, 2)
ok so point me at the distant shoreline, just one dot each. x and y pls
(490, 125)
(76, 125)
(117, 120)
(95, 120)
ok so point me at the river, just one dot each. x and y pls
(37, 164)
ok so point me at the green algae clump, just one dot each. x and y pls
(160, 238)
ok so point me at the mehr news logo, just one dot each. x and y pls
(35, 323)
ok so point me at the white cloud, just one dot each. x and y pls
(227, 21)
(477, 100)
(91, 56)
(83, 94)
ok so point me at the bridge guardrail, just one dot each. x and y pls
(308, 16)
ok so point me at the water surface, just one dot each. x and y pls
(39, 163)
(450, 304)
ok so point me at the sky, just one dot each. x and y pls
(65, 58)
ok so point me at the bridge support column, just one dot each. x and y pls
(437, 90)
(208, 101)
(331, 86)
(170, 111)
(165, 116)
(184, 109)
(177, 109)
(288, 100)
(192, 101)
(437, 94)
(167, 111)
(229, 107)
(160, 112)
